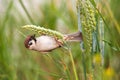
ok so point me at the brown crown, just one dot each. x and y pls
(27, 41)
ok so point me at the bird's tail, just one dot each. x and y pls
(77, 36)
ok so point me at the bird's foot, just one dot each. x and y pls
(59, 42)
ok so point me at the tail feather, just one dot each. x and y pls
(77, 36)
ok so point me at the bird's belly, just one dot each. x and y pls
(47, 43)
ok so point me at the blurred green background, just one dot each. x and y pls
(18, 63)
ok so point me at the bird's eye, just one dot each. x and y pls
(30, 43)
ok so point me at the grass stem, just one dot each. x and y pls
(81, 44)
(73, 65)
(23, 6)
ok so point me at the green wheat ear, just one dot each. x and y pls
(43, 31)
(88, 22)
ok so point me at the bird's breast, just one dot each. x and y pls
(46, 43)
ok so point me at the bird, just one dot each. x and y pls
(46, 43)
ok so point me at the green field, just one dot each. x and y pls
(96, 58)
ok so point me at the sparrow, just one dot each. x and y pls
(45, 43)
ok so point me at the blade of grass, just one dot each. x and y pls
(81, 44)
(58, 65)
(7, 15)
(50, 73)
(73, 65)
(5, 56)
(28, 15)
(56, 62)
(112, 17)
(112, 46)
(68, 73)
(72, 60)
(84, 66)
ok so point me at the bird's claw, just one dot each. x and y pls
(59, 42)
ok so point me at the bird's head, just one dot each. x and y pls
(30, 41)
